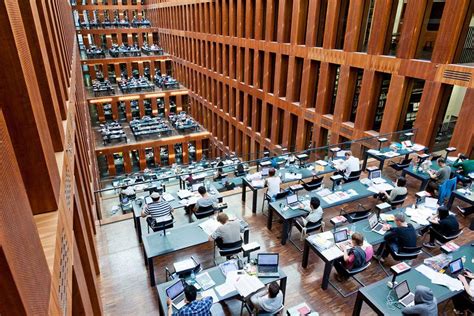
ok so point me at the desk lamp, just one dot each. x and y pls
(396, 272)
(409, 135)
(381, 140)
(449, 150)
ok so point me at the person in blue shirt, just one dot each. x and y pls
(193, 306)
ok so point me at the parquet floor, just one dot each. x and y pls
(124, 280)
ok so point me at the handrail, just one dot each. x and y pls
(248, 162)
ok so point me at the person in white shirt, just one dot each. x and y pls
(273, 183)
(315, 213)
(269, 299)
(349, 165)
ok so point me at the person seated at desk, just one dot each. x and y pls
(269, 299)
(425, 303)
(399, 189)
(315, 213)
(205, 200)
(464, 301)
(403, 235)
(159, 210)
(228, 233)
(354, 258)
(465, 166)
(273, 183)
(438, 177)
(193, 306)
(443, 223)
(349, 165)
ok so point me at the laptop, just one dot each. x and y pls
(375, 225)
(375, 174)
(341, 239)
(405, 297)
(455, 267)
(267, 265)
(292, 201)
(265, 172)
(176, 294)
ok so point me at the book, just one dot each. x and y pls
(450, 247)
(387, 217)
(210, 226)
(205, 281)
(338, 219)
(246, 285)
(400, 268)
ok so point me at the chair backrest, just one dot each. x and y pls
(203, 212)
(399, 199)
(277, 312)
(359, 270)
(452, 237)
(231, 248)
(407, 253)
(313, 184)
(282, 194)
(405, 162)
(159, 226)
(354, 176)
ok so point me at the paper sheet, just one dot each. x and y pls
(224, 289)
(440, 278)
(332, 253)
(212, 294)
(247, 285)
(167, 197)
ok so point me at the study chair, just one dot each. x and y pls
(353, 176)
(352, 274)
(253, 312)
(359, 214)
(310, 228)
(229, 249)
(442, 239)
(312, 185)
(267, 198)
(203, 212)
(403, 254)
(399, 166)
(398, 201)
(126, 204)
(161, 226)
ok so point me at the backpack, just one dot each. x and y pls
(359, 257)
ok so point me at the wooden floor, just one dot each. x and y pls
(125, 285)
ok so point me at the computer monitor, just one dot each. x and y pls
(375, 174)
(340, 236)
(290, 199)
(455, 266)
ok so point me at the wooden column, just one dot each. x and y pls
(394, 107)
(127, 161)
(463, 136)
(111, 164)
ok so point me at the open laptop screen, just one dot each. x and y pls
(176, 289)
(455, 266)
(402, 289)
(268, 259)
(341, 236)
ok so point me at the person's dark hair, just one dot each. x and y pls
(401, 181)
(358, 238)
(271, 172)
(315, 202)
(443, 212)
(202, 190)
(273, 289)
(463, 157)
(190, 293)
(441, 160)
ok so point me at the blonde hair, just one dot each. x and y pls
(222, 218)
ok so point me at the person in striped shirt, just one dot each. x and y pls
(159, 210)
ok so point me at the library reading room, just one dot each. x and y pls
(237, 157)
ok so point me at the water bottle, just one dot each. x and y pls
(193, 277)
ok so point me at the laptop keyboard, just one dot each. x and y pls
(378, 227)
(267, 269)
(408, 299)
